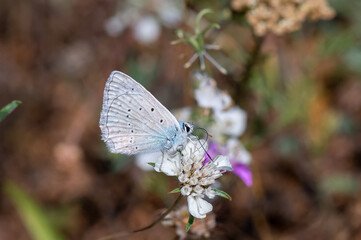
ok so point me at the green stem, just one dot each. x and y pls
(252, 59)
(251, 62)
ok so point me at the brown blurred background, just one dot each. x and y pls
(305, 140)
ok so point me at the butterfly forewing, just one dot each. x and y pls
(132, 120)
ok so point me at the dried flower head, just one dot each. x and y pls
(282, 16)
(200, 229)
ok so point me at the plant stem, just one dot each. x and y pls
(251, 62)
(252, 59)
(160, 218)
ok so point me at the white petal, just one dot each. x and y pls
(237, 152)
(209, 192)
(198, 207)
(195, 149)
(222, 101)
(170, 165)
(208, 95)
(186, 190)
(231, 122)
(205, 96)
(222, 163)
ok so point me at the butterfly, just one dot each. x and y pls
(133, 121)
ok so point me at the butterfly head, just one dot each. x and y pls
(187, 127)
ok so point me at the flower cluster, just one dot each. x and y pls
(282, 16)
(200, 229)
(144, 18)
(208, 95)
(194, 176)
(228, 120)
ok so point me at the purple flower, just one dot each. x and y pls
(212, 152)
(243, 172)
(241, 169)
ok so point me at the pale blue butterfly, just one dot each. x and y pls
(133, 121)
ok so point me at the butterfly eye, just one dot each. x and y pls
(187, 128)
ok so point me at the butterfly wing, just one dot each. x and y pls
(132, 119)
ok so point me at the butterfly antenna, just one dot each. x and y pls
(207, 135)
(207, 154)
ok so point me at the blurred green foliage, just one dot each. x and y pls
(157, 184)
(32, 214)
(190, 222)
(8, 109)
(340, 183)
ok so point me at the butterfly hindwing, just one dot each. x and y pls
(132, 120)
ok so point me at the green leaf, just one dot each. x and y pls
(221, 193)
(179, 33)
(182, 40)
(177, 190)
(192, 40)
(32, 214)
(190, 222)
(199, 17)
(213, 25)
(152, 164)
(8, 109)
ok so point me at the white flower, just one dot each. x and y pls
(210, 193)
(193, 181)
(237, 152)
(114, 25)
(147, 30)
(231, 122)
(186, 190)
(198, 207)
(195, 150)
(198, 189)
(195, 178)
(171, 12)
(208, 95)
(183, 178)
(222, 163)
